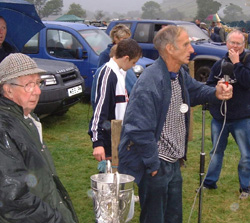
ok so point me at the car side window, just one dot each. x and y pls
(143, 33)
(62, 44)
(32, 46)
(158, 27)
(127, 24)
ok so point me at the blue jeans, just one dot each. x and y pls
(240, 130)
(161, 195)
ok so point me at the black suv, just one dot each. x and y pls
(63, 87)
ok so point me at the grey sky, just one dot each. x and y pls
(120, 6)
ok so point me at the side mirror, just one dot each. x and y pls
(81, 54)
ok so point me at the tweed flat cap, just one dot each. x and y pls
(17, 65)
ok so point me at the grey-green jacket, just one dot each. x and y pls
(30, 190)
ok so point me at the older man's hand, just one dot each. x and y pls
(224, 91)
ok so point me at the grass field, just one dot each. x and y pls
(70, 145)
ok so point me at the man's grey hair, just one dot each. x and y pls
(235, 31)
(167, 35)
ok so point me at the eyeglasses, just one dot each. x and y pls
(232, 43)
(29, 87)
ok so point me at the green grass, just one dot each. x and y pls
(71, 148)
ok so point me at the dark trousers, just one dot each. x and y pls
(161, 195)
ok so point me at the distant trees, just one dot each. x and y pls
(233, 13)
(151, 10)
(53, 7)
(45, 8)
(99, 15)
(77, 10)
(174, 14)
(206, 7)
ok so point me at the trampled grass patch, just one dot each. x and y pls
(71, 148)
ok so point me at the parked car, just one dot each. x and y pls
(206, 52)
(98, 23)
(63, 84)
(77, 43)
(63, 87)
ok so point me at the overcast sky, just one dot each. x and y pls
(120, 6)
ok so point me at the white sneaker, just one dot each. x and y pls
(243, 195)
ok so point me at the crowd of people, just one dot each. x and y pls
(155, 113)
(215, 31)
(218, 32)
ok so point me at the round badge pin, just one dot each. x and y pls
(184, 108)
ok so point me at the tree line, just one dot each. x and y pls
(150, 10)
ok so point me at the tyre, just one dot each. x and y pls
(202, 73)
(61, 113)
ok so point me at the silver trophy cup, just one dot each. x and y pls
(112, 195)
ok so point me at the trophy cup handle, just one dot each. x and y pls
(108, 167)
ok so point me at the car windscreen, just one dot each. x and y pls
(97, 39)
(194, 32)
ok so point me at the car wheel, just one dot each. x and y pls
(61, 113)
(202, 73)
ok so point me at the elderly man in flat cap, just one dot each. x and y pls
(30, 190)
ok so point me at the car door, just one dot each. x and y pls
(144, 35)
(64, 45)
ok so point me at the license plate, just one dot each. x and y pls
(75, 90)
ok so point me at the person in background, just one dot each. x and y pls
(237, 115)
(204, 28)
(30, 190)
(155, 127)
(5, 48)
(215, 35)
(211, 28)
(104, 23)
(222, 32)
(118, 33)
(95, 79)
(198, 22)
(111, 97)
(246, 36)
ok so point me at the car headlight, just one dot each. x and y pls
(138, 69)
(49, 79)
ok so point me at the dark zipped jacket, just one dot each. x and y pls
(30, 190)
(146, 113)
(5, 50)
(238, 107)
